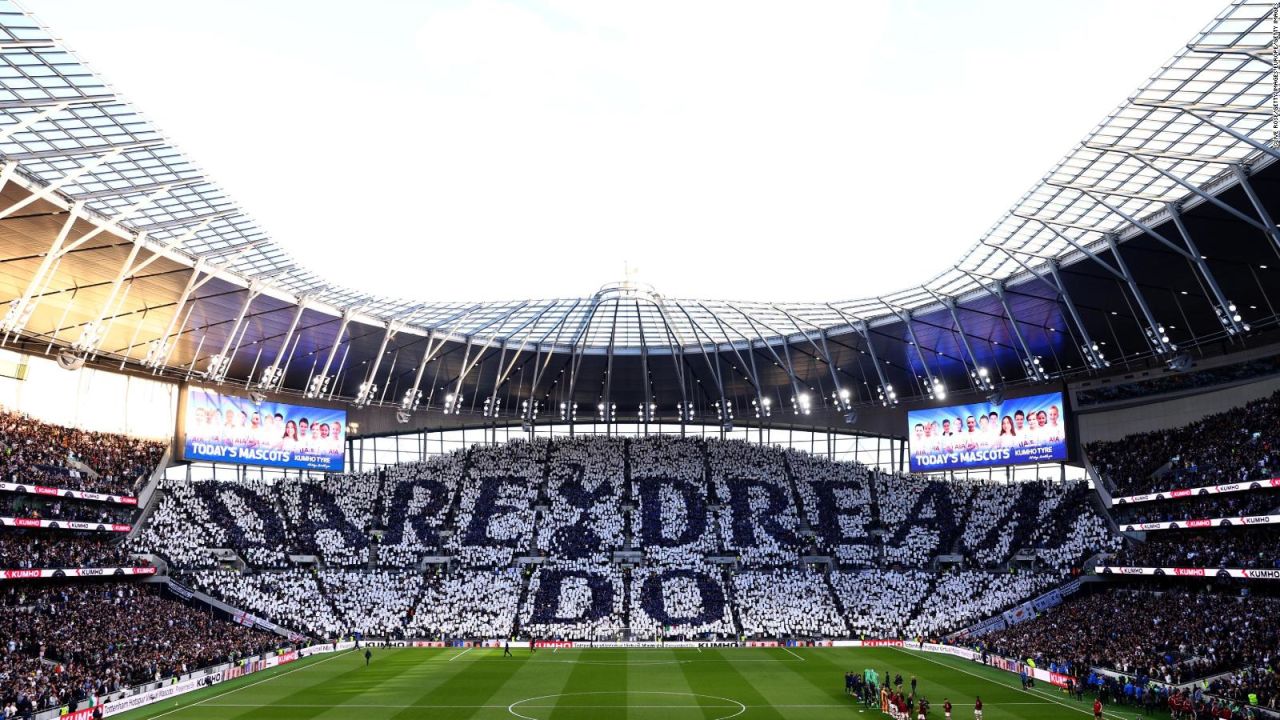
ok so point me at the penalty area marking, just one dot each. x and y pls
(527, 702)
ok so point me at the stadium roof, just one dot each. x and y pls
(1181, 162)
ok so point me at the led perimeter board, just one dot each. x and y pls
(229, 429)
(1030, 429)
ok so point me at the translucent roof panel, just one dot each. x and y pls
(1205, 109)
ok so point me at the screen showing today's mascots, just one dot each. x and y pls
(224, 428)
(1021, 430)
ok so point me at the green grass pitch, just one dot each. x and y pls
(646, 684)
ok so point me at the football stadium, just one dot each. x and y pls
(244, 477)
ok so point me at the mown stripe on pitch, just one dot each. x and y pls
(715, 674)
(588, 677)
(350, 681)
(469, 682)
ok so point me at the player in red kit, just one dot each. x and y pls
(1097, 708)
(946, 708)
(977, 708)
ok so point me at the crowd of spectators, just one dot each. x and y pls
(836, 500)
(920, 518)
(786, 602)
(330, 517)
(574, 599)
(23, 549)
(376, 603)
(668, 483)
(1238, 445)
(1228, 547)
(289, 598)
(415, 500)
(495, 513)
(36, 452)
(682, 602)
(194, 516)
(963, 597)
(1257, 502)
(35, 507)
(1169, 636)
(61, 645)
(571, 502)
(467, 604)
(585, 481)
(757, 515)
(880, 603)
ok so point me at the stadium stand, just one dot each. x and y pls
(467, 604)
(61, 549)
(1243, 547)
(67, 643)
(1171, 636)
(1228, 447)
(48, 454)
(289, 598)
(415, 498)
(568, 502)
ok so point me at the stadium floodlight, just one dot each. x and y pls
(529, 411)
(1035, 369)
(318, 386)
(982, 378)
(936, 390)
(365, 393)
(1094, 357)
(1159, 340)
(157, 351)
(1230, 318)
(270, 377)
(684, 411)
(90, 337)
(452, 404)
(569, 412)
(647, 411)
(490, 407)
(841, 398)
(887, 395)
(724, 413)
(409, 402)
(18, 316)
(762, 408)
(217, 369)
(800, 404)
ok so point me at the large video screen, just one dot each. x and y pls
(224, 428)
(1029, 429)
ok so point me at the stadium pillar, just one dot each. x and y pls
(1242, 176)
(1155, 339)
(1223, 304)
(887, 396)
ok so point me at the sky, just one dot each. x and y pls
(728, 149)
